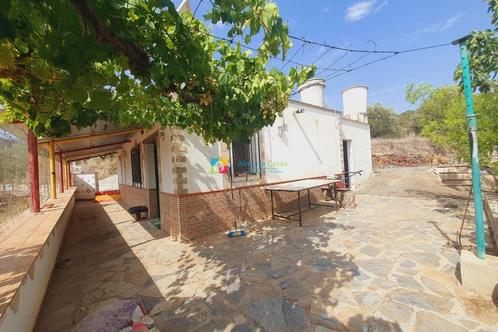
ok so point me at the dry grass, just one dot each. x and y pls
(408, 151)
(15, 208)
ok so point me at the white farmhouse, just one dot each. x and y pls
(196, 189)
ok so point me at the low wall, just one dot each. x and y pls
(32, 250)
(491, 210)
(201, 214)
(133, 196)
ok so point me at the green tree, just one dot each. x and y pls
(13, 163)
(444, 122)
(383, 121)
(410, 122)
(483, 50)
(137, 62)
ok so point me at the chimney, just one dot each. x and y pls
(184, 7)
(313, 92)
(354, 103)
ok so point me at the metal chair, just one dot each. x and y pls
(344, 185)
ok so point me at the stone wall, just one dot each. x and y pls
(491, 209)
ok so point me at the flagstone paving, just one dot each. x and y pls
(384, 266)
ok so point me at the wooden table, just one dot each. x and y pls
(297, 187)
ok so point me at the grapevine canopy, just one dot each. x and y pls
(137, 62)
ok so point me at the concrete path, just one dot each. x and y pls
(387, 265)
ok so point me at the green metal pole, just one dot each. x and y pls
(476, 172)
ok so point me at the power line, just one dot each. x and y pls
(321, 55)
(324, 44)
(271, 56)
(350, 70)
(354, 50)
(293, 56)
(197, 7)
(347, 51)
(340, 71)
(346, 68)
(350, 64)
(423, 48)
(333, 63)
(362, 66)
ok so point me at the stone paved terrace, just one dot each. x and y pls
(385, 266)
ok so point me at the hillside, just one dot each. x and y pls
(408, 151)
(104, 166)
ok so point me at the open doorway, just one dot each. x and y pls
(152, 176)
(346, 146)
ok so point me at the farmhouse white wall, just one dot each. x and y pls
(308, 141)
(307, 138)
(360, 154)
(199, 155)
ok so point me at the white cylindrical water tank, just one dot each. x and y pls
(313, 92)
(354, 100)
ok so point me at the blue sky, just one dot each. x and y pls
(380, 24)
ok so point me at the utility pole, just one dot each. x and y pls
(476, 171)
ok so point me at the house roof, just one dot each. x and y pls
(323, 108)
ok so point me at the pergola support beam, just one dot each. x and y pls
(87, 136)
(94, 155)
(94, 147)
(61, 174)
(53, 180)
(34, 177)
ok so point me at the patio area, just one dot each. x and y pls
(385, 266)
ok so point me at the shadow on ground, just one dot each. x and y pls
(279, 277)
(95, 267)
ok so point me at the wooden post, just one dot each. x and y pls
(70, 173)
(61, 174)
(53, 181)
(66, 175)
(34, 177)
(64, 171)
